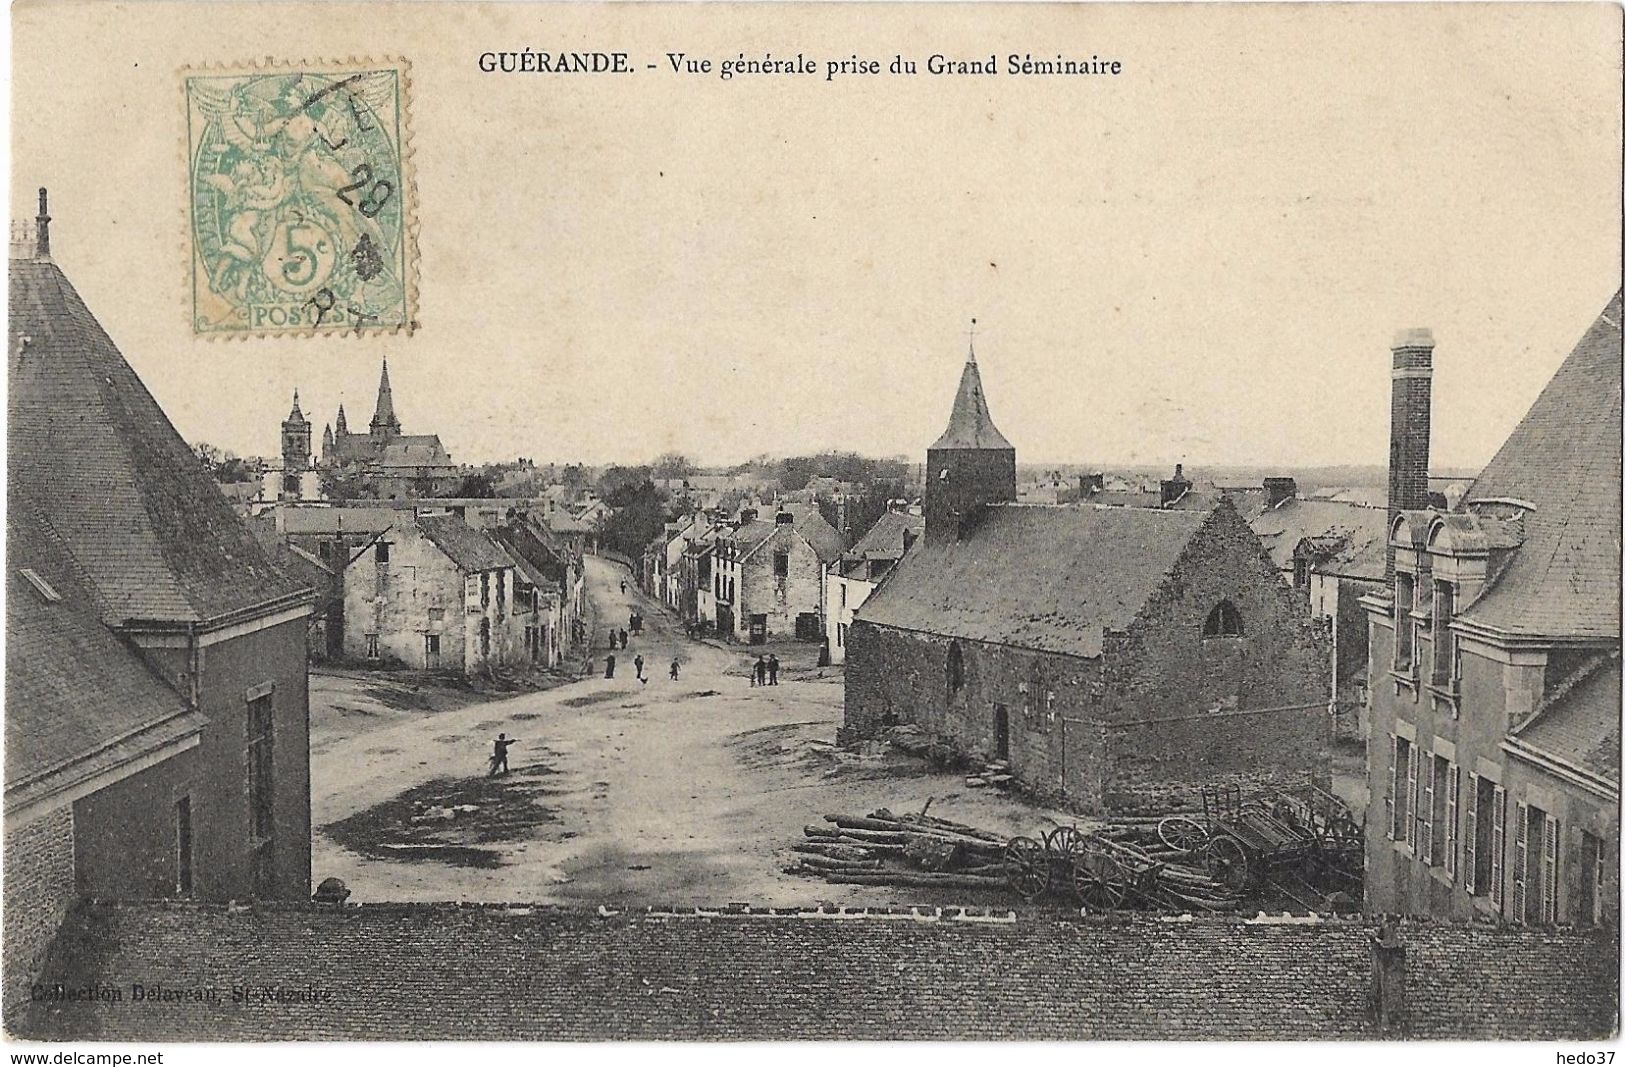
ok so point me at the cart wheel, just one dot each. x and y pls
(1227, 862)
(1098, 880)
(1026, 867)
(1342, 831)
(1065, 840)
(1181, 833)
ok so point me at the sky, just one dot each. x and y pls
(1203, 259)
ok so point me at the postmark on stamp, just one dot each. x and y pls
(301, 213)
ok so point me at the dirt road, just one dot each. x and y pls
(680, 792)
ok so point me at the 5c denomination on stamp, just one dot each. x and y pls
(301, 202)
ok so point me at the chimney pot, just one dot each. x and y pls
(42, 229)
(1415, 337)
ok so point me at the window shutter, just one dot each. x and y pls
(1393, 786)
(1452, 785)
(1498, 840)
(1548, 871)
(1469, 851)
(1520, 863)
(1410, 792)
(1429, 781)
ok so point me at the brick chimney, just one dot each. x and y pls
(1410, 427)
(1280, 489)
(1176, 487)
(1388, 980)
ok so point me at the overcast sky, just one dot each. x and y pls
(1202, 259)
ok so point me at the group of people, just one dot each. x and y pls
(765, 671)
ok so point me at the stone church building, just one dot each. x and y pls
(1115, 657)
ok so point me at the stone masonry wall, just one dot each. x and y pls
(39, 888)
(1188, 710)
(781, 600)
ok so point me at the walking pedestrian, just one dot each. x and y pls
(772, 670)
(623, 587)
(499, 753)
(761, 670)
(674, 669)
(637, 665)
(609, 665)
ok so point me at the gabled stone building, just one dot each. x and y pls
(1115, 657)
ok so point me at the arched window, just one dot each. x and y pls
(1223, 621)
(956, 668)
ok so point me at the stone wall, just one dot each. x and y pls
(760, 592)
(39, 888)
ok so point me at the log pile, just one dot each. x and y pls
(920, 850)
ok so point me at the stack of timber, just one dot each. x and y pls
(920, 850)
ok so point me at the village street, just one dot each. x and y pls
(684, 792)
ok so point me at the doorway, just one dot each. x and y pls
(1001, 732)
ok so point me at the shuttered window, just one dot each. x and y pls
(1427, 782)
(1452, 794)
(1469, 859)
(1520, 863)
(1548, 871)
(1498, 840)
(1392, 797)
(1411, 777)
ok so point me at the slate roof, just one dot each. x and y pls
(824, 538)
(465, 546)
(1357, 525)
(140, 514)
(1581, 724)
(884, 540)
(1564, 458)
(1048, 577)
(969, 424)
(500, 972)
(416, 450)
(322, 520)
(79, 701)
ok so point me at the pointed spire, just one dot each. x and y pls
(295, 416)
(383, 418)
(340, 425)
(970, 425)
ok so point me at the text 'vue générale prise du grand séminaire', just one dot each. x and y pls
(801, 65)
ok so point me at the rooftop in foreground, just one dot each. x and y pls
(513, 972)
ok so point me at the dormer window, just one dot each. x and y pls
(1223, 621)
(1404, 597)
(1444, 641)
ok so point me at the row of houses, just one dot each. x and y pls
(748, 577)
(461, 585)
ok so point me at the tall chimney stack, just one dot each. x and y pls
(1410, 427)
(42, 229)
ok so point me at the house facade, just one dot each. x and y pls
(768, 579)
(1494, 659)
(859, 572)
(435, 594)
(1115, 657)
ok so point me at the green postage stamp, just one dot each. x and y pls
(301, 201)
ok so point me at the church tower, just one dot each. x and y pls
(341, 426)
(384, 422)
(295, 439)
(971, 465)
(329, 453)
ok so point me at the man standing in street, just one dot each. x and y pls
(499, 753)
(637, 665)
(674, 668)
(772, 670)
